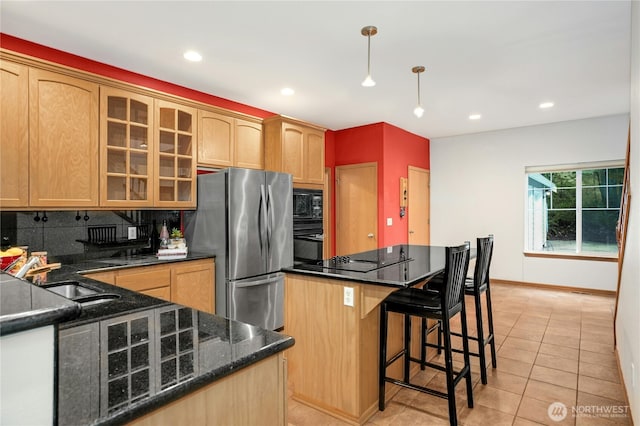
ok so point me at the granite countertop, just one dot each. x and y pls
(401, 265)
(124, 358)
(149, 358)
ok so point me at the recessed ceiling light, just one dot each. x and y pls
(545, 105)
(192, 55)
(287, 91)
(475, 116)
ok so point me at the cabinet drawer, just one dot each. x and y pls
(163, 293)
(145, 278)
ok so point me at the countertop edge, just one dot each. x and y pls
(15, 323)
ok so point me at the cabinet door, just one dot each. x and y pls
(14, 136)
(216, 134)
(314, 157)
(293, 151)
(63, 141)
(249, 148)
(126, 147)
(193, 284)
(175, 155)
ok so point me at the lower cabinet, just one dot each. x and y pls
(255, 395)
(189, 283)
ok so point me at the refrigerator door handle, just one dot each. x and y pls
(262, 219)
(244, 284)
(270, 217)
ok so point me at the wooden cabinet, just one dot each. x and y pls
(255, 395)
(191, 284)
(126, 149)
(49, 140)
(176, 129)
(226, 141)
(295, 147)
(63, 141)
(14, 136)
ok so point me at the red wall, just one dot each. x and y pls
(393, 149)
(53, 55)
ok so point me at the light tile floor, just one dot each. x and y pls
(553, 346)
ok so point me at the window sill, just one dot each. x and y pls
(594, 257)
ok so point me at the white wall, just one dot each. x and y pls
(628, 320)
(478, 188)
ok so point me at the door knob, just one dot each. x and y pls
(370, 235)
(411, 232)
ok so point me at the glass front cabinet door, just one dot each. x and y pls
(126, 143)
(176, 162)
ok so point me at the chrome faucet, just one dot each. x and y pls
(34, 261)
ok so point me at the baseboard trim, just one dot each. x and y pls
(624, 387)
(595, 292)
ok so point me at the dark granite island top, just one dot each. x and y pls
(394, 266)
(135, 363)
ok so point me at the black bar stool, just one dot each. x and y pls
(475, 287)
(441, 306)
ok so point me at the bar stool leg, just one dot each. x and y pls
(465, 351)
(407, 347)
(480, 335)
(492, 336)
(423, 343)
(382, 364)
(448, 363)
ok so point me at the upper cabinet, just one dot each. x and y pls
(126, 149)
(14, 136)
(63, 141)
(295, 147)
(175, 155)
(226, 141)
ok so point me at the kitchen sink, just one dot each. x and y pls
(71, 290)
(80, 293)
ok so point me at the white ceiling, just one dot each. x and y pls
(499, 59)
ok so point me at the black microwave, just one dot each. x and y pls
(307, 203)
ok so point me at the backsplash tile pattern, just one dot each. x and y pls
(59, 234)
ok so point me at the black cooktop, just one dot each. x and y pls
(367, 261)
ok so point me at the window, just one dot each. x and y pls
(573, 210)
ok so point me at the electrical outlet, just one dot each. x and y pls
(348, 296)
(390, 249)
(389, 221)
(132, 233)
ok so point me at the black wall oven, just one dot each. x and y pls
(307, 204)
(307, 225)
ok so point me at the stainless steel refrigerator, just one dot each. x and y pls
(245, 218)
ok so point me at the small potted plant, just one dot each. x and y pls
(177, 238)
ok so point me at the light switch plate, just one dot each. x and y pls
(389, 221)
(132, 233)
(348, 296)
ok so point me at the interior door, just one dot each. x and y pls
(418, 206)
(356, 208)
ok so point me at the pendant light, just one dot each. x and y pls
(369, 31)
(418, 110)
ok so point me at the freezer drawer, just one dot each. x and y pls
(257, 301)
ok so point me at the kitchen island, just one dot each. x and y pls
(138, 359)
(332, 311)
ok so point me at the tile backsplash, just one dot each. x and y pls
(60, 233)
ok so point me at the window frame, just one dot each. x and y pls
(578, 168)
